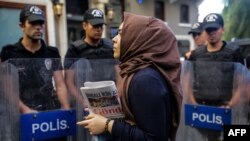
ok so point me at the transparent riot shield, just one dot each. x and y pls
(214, 94)
(9, 110)
(42, 99)
(81, 71)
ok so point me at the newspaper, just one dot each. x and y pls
(102, 98)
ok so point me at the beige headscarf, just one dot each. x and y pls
(147, 41)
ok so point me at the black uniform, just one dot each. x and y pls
(213, 82)
(35, 74)
(213, 79)
(228, 53)
(97, 69)
(80, 49)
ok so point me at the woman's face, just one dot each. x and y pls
(117, 43)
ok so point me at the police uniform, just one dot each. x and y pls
(204, 92)
(81, 49)
(35, 74)
(100, 60)
(100, 69)
(213, 73)
(228, 53)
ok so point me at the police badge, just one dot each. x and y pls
(48, 63)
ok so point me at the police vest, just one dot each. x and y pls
(99, 60)
(35, 74)
(213, 79)
(103, 50)
(213, 82)
(228, 53)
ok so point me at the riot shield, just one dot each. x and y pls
(40, 94)
(214, 95)
(9, 110)
(81, 71)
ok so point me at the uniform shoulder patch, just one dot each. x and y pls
(78, 43)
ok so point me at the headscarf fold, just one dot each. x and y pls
(147, 41)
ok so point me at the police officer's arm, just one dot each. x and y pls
(61, 89)
(8, 94)
(71, 86)
(240, 89)
(187, 55)
(69, 80)
(190, 94)
(187, 84)
(25, 109)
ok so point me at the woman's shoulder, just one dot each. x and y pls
(148, 73)
(150, 81)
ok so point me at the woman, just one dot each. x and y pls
(150, 72)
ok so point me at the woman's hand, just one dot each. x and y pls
(94, 123)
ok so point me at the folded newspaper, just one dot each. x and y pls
(102, 98)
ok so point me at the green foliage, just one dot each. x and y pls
(236, 14)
